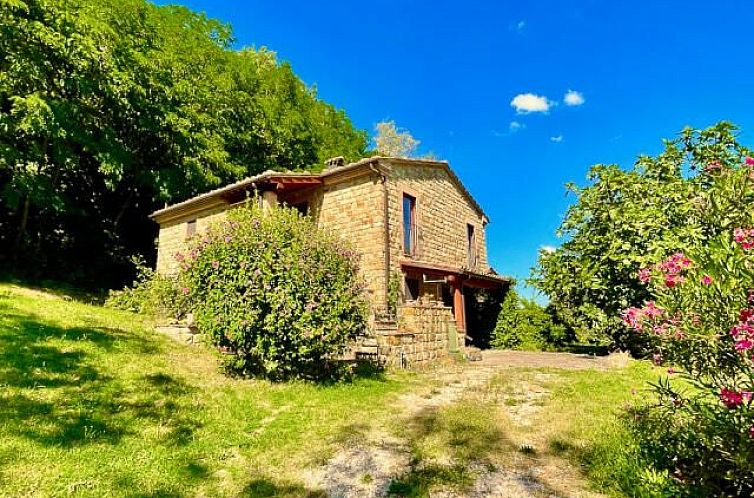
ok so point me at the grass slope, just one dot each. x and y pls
(94, 403)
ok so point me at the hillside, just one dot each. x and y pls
(94, 403)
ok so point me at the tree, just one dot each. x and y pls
(524, 324)
(108, 110)
(625, 220)
(394, 142)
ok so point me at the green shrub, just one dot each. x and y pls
(277, 294)
(151, 294)
(701, 322)
(524, 324)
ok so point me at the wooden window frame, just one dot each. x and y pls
(413, 233)
(190, 228)
(471, 245)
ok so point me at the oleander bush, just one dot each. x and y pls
(699, 429)
(279, 296)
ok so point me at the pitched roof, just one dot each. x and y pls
(215, 197)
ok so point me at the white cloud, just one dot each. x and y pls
(547, 249)
(520, 25)
(572, 97)
(515, 126)
(524, 103)
(557, 139)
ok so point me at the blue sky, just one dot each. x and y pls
(449, 72)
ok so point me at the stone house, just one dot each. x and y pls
(418, 229)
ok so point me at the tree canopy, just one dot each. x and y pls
(626, 220)
(110, 109)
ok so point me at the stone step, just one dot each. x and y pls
(473, 354)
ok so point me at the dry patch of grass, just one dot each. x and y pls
(528, 433)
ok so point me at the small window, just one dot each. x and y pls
(409, 224)
(471, 244)
(191, 228)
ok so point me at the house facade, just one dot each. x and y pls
(419, 231)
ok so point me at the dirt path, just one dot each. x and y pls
(367, 466)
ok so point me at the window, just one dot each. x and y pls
(191, 228)
(412, 288)
(409, 224)
(471, 241)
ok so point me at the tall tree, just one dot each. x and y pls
(626, 220)
(109, 109)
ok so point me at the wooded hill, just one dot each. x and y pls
(110, 109)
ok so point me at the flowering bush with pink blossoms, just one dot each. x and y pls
(699, 428)
(280, 297)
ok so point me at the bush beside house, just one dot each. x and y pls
(279, 295)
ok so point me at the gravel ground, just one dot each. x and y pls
(366, 469)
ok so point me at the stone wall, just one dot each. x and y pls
(172, 237)
(353, 210)
(442, 214)
(425, 333)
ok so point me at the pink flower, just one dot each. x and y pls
(645, 275)
(751, 432)
(673, 280)
(744, 345)
(731, 399)
(185, 290)
(744, 237)
(179, 257)
(652, 310)
(228, 238)
(706, 280)
(713, 166)
(657, 359)
(749, 161)
(660, 329)
(215, 265)
(671, 370)
(633, 317)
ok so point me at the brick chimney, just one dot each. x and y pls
(335, 162)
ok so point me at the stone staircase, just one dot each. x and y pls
(181, 332)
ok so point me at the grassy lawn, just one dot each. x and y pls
(533, 432)
(94, 403)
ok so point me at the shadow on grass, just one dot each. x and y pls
(265, 487)
(469, 440)
(58, 392)
(58, 288)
